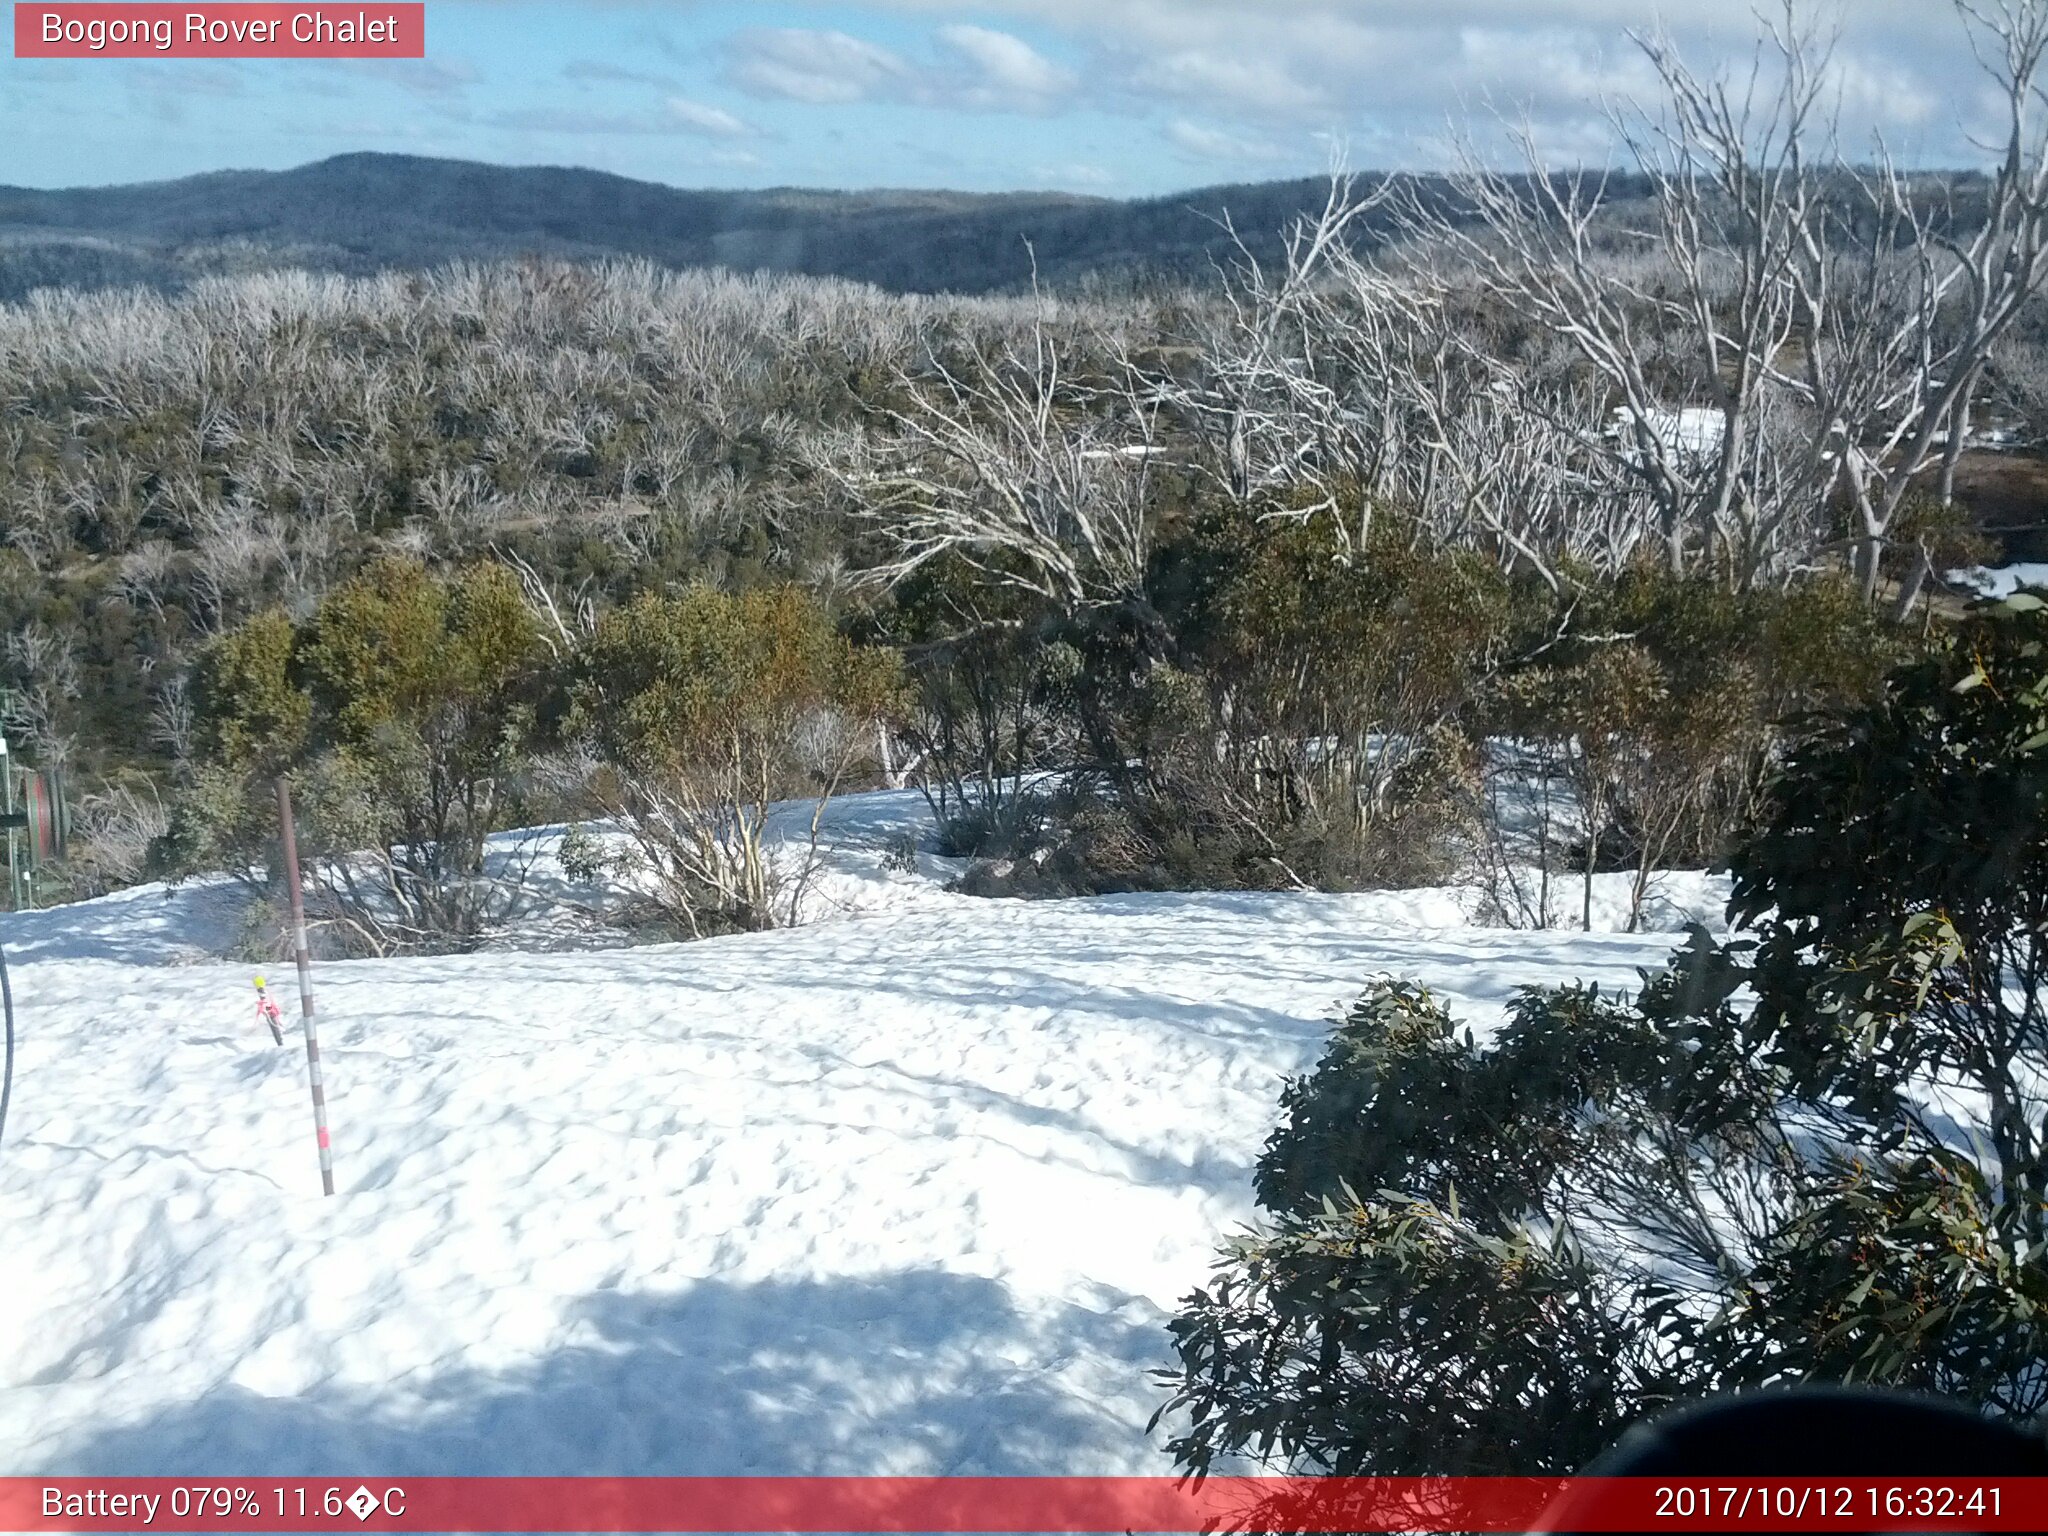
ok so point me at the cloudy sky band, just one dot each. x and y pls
(1119, 97)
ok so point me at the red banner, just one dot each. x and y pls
(213, 31)
(1147, 1505)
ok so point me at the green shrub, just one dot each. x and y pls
(404, 709)
(1301, 729)
(707, 707)
(1403, 1315)
(254, 716)
(1661, 705)
(989, 690)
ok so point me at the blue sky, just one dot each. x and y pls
(1118, 97)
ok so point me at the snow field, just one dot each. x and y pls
(914, 1190)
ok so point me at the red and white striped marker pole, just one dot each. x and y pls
(305, 961)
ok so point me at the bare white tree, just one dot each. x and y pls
(174, 719)
(146, 574)
(229, 559)
(1030, 476)
(1797, 328)
(42, 664)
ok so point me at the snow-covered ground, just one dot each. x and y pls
(912, 1189)
(2001, 580)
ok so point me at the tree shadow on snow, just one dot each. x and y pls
(918, 1372)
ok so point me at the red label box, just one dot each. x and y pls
(367, 29)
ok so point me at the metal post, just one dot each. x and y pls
(305, 962)
(13, 848)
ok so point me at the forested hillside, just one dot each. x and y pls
(367, 212)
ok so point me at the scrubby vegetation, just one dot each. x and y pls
(1239, 691)
(1446, 541)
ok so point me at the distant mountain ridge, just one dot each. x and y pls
(365, 212)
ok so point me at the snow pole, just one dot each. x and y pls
(305, 963)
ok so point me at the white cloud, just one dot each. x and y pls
(821, 68)
(702, 117)
(1095, 178)
(1009, 68)
(423, 77)
(1391, 73)
(602, 72)
(1200, 144)
(972, 68)
(676, 116)
(1267, 86)
(1884, 92)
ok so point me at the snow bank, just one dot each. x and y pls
(913, 1191)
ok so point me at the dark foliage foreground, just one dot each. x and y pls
(1813, 1153)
